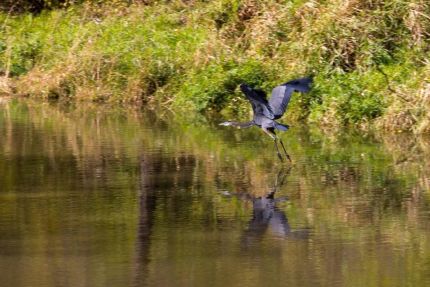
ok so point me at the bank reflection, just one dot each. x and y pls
(146, 202)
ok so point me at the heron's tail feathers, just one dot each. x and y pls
(281, 127)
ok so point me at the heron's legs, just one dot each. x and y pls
(277, 151)
(285, 151)
(275, 139)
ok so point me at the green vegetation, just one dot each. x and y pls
(369, 58)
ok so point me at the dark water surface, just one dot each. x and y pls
(93, 196)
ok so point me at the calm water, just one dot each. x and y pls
(92, 196)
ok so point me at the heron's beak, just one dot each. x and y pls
(225, 124)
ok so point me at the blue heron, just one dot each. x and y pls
(266, 112)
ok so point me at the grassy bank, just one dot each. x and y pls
(369, 58)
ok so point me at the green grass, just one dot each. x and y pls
(369, 58)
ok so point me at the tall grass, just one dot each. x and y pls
(369, 58)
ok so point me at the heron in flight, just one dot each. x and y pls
(266, 112)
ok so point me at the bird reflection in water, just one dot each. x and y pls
(267, 217)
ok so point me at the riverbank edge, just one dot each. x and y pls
(198, 54)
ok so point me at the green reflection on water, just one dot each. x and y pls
(96, 196)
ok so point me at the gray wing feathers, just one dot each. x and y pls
(280, 98)
(281, 95)
(258, 101)
(300, 85)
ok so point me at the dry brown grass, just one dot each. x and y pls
(5, 86)
(342, 42)
(411, 112)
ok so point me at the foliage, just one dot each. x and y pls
(211, 86)
(369, 58)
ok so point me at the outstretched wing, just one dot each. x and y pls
(258, 100)
(281, 95)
